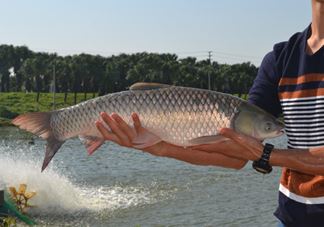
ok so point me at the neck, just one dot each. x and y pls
(317, 20)
(316, 40)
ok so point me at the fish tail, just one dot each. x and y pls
(52, 146)
(38, 123)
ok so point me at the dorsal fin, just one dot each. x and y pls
(147, 86)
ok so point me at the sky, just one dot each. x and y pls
(234, 30)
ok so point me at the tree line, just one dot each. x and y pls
(23, 70)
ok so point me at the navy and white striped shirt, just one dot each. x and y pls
(291, 82)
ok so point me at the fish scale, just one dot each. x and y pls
(178, 115)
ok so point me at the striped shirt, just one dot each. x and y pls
(291, 82)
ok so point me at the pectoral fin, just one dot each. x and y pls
(91, 143)
(207, 139)
(146, 139)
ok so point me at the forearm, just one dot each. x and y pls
(307, 161)
(197, 157)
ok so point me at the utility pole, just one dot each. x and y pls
(54, 88)
(209, 57)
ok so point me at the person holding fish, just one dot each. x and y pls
(289, 82)
(205, 127)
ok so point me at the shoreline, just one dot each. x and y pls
(5, 122)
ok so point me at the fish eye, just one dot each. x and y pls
(268, 126)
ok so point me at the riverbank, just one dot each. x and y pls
(14, 103)
(5, 122)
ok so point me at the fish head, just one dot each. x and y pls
(254, 121)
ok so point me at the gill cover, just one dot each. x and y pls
(242, 121)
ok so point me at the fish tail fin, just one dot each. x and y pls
(38, 123)
(52, 146)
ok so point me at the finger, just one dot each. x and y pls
(129, 131)
(123, 138)
(105, 133)
(137, 122)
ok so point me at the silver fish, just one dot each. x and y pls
(178, 115)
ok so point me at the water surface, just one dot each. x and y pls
(124, 187)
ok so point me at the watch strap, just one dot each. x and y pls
(262, 165)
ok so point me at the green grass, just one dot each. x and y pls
(15, 103)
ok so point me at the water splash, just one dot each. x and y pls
(57, 195)
(50, 186)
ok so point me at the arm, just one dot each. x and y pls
(195, 156)
(123, 134)
(309, 161)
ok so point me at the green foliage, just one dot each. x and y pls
(30, 72)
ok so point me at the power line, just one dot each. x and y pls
(235, 55)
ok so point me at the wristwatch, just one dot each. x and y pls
(262, 165)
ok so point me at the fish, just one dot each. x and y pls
(182, 116)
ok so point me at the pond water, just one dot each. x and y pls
(123, 187)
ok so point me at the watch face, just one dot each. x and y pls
(262, 167)
(261, 170)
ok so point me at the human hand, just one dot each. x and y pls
(123, 134)
(235, 145)
(120, 132)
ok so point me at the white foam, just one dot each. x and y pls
(56, 194)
